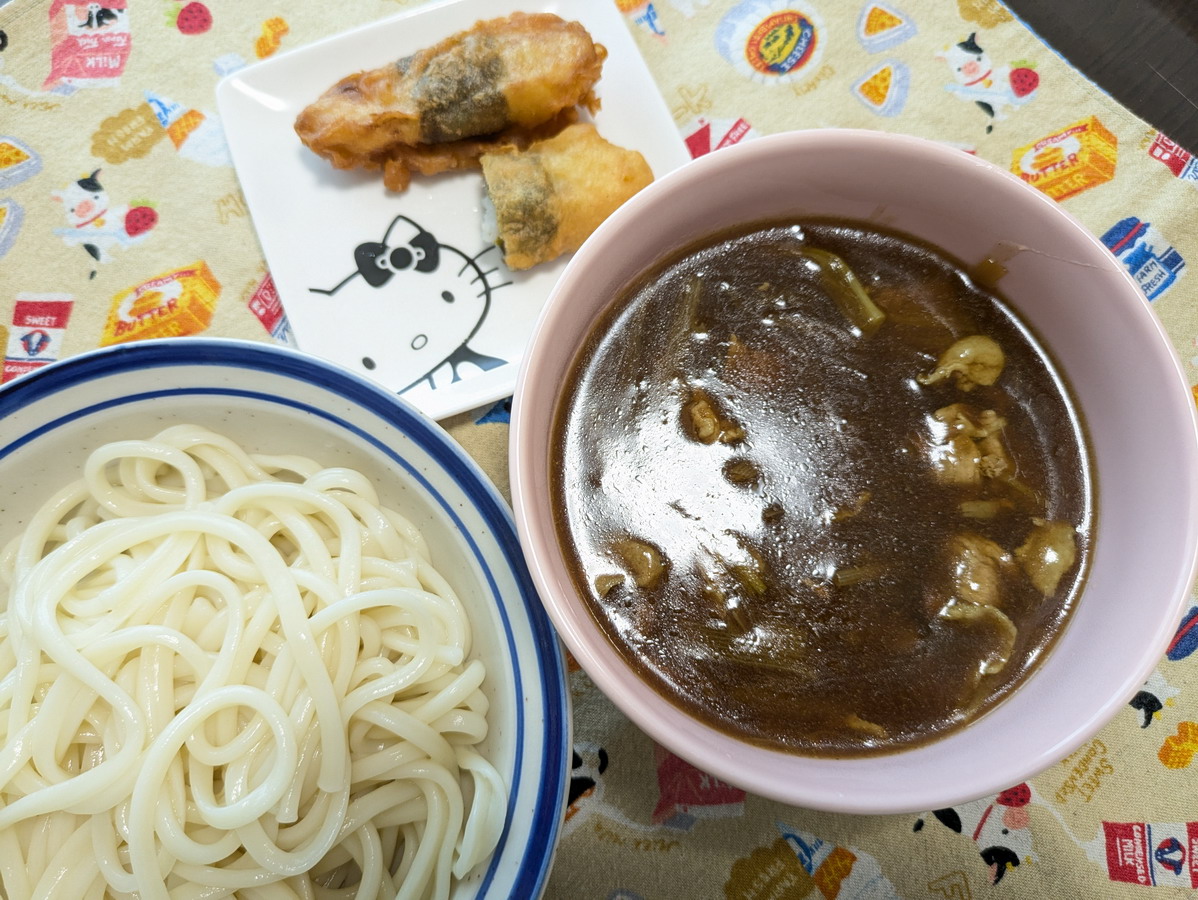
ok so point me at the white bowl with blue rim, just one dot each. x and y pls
(271, 399)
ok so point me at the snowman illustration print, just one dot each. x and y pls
(434, 298)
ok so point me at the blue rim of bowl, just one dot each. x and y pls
(532, 874)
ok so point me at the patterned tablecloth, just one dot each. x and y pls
(116, 98)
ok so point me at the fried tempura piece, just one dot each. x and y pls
(549, 198)
(432, 159)
(516, 72)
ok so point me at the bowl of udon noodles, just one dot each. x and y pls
(856, 471)
(265, 631)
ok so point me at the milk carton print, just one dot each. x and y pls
(89, 43)
(1148, 854)
(704, 135)
(838, 872)
(267, 307)
(39, 324)
(196, 135)
(1178, 160)
(687, 793)
(1152, 261)
(643, 14)
(1185, 639)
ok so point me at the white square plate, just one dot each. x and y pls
(452, 339)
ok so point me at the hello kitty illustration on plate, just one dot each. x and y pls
(444, 294)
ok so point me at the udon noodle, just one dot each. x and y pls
(234, 675)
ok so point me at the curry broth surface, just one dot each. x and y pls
(809, 553)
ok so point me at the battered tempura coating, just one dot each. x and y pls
(430, 159)
(517, 73)
(549, 198)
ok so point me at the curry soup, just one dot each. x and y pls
(820, 489)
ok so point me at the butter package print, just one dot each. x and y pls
(173, 304)
(1078, 157)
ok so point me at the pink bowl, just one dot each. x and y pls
(1071, 290)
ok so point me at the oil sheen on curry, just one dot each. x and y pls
(821, 489)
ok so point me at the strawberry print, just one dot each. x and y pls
(1020, 795)
(1024, 80)
(140, 219)
(192, 18)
